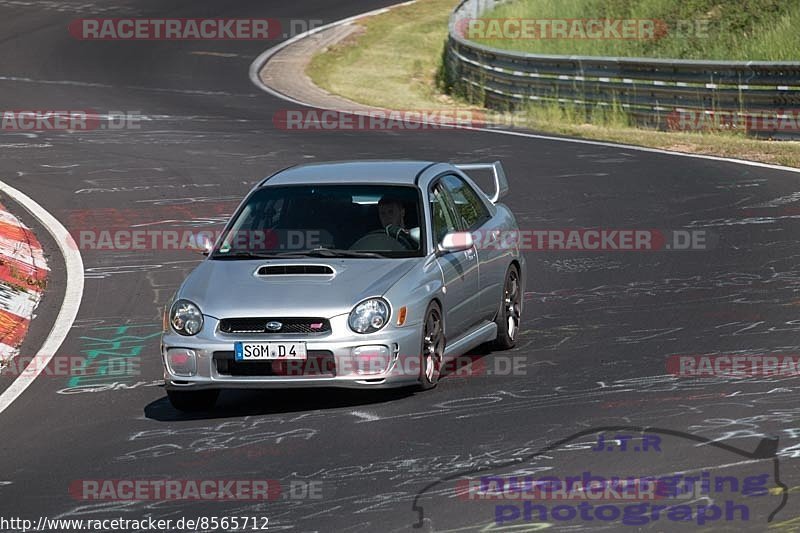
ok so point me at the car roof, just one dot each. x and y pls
(390, 172)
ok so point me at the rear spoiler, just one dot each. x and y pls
(500, 181)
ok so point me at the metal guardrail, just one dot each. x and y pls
(662, 93)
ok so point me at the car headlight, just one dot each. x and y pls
(369, 316)
(186, 318)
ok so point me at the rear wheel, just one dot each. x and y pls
(193, 401)
(510, 313)
(432, 352)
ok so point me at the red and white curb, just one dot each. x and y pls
(23, 276)
(73, 291)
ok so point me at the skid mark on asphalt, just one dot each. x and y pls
(106, 321)
(61, 6)
(213, 54)
(221, 438)
(192, 200)
(103, 272)
(776, 202)
(582, 264)
(110, 386)
(739, 221)
(509, 401)
(365, 416)
(139, 188)
(25, 145)
(741, 287)
(402, 476)
(75, 83)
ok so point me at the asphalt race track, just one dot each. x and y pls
(597, 327)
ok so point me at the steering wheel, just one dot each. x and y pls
(378, 240)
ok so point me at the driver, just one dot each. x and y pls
(392, 215)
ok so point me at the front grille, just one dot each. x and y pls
(320, 363)
(303, 326)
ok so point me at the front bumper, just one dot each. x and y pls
(211, 346)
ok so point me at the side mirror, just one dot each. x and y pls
(202, 242)
(456, 241)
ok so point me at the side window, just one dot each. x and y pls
(443, 217)
(471, 210)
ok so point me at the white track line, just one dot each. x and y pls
(258, 63)
(255, 66)
(72, 294)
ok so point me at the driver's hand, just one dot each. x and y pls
(401, 235)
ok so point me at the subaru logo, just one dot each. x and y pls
(274, 325)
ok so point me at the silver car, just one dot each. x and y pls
(366, 274)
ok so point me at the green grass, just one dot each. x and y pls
(394, 64)
(396, 57)
(766, 30)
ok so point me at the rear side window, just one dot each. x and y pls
(470, 208)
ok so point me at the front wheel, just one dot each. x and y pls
(510, 313)
(193, 401)
(432, 352)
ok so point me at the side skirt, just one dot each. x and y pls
(483, 332)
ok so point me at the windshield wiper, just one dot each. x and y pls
(245, 254)
(336, 252)
(316, 252)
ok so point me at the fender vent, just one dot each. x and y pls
(292, 270)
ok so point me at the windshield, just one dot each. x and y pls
(326, 221)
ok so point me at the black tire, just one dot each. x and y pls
(193, 401)
(432, 347)
(510, 312)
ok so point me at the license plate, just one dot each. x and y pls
(270, 351)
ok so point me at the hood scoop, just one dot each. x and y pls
(295, 270)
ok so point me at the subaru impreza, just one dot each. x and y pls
(367, 274)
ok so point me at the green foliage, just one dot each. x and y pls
(737, 30)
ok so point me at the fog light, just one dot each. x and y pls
(371, 359)
(182, 362)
